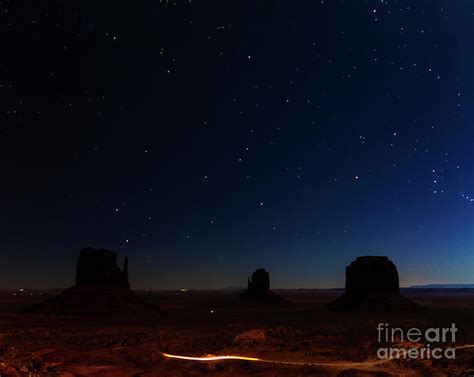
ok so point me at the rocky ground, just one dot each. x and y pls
(200, 323)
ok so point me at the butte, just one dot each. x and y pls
(101, 287)
(372, 284)
(258, 289)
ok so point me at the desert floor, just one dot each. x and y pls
(318, 341)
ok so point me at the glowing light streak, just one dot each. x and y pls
(211, 357)
(256, 359)
(345, 364)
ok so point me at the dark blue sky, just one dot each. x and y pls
(204, 139)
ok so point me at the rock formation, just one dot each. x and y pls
(101, 288)
(98, 268)
(258, 287)
(372, 283)
(259, 284)
(371, 275)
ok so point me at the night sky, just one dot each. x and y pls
(205, 139)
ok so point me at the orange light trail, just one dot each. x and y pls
(345, 364)
(233, 357)
(211, 357)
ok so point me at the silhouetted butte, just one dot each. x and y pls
(258, 288)
(101, 287)
(98, 268)
(372, 283)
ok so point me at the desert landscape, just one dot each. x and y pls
(198, 323)
(298, 334)
(235, 188)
